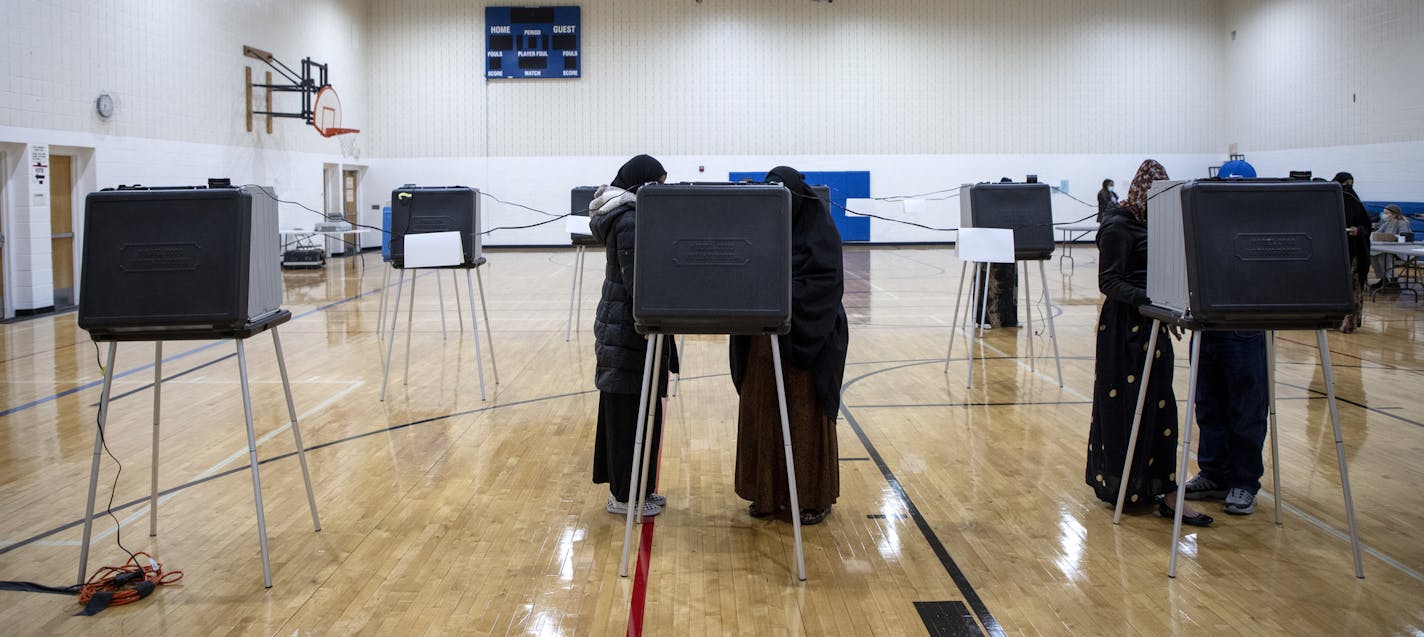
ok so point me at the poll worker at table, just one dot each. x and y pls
(1392, 222)
(619, 349)
(1357, 229)
(813, 362)
(1122, 339)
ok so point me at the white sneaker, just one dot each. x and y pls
(1240, 502)
(621, 508)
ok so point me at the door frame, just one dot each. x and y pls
(7, 309)
(362, 215)
(331, 203)
(14, 178)
(82, 182)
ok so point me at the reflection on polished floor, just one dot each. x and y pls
(961, 510)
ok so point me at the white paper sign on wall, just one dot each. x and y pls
(433, 250)
(985, 245)
(39, 166)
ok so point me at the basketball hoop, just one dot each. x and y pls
(326, 114)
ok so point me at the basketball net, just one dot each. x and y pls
(350, 145)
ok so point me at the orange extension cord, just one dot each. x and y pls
(128, 583)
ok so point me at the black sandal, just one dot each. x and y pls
(812, 516)
(752, 511)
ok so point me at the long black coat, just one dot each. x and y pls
(618, 348)
(1358, 218)
(820, 331)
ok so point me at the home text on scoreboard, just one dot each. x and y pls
(532, 42)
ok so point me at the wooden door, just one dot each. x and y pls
(61, 224)
(348, 195)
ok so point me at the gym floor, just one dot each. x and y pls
(962, 511)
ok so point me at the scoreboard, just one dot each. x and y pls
(539, 42)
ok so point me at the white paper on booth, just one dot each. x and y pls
(985, 245)
(915, 207)
(433, 250)
(576, 224)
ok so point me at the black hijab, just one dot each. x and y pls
(638, 171)
(820, 332)
(1343, 177)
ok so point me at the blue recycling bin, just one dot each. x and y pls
(386, 233)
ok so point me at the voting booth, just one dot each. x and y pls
(579, 235)
(711, 259)
(194, 260)
(435, 227)
(1245, 254)
(428, 209)
(986, 212)
(1235, 254)
(1025, 208)
(183, 263)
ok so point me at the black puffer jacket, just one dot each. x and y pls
(619, 349)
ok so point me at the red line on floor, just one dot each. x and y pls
(645, 554)
(640, 581)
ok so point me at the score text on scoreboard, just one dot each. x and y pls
(538, 42)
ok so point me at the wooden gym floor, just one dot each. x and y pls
(962, 510)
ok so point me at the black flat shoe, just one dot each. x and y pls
(752, 511)
(1200, 519)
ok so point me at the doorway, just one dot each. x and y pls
(348, 195)
(61, 223)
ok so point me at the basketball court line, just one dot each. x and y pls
(975, 603)
(143, 510)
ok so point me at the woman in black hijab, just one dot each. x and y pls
(813, 363)
(1357, 225)
(618, 348)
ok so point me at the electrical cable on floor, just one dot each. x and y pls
(126, 584)
(109, 585)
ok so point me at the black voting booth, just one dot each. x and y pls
(1027, 209)
(191, 262)
(1246, 254)
(579, 200)
(710, 259)
(183, 263)
(429, 209)
(425, 209)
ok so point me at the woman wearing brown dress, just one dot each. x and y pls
(813, 363)
(1123, 334)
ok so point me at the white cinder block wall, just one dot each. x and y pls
(925, 94)
(175, 71)
(1328, 86)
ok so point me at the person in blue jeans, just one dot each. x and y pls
(1232, 401)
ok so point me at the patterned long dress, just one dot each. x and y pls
(1122, 339)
